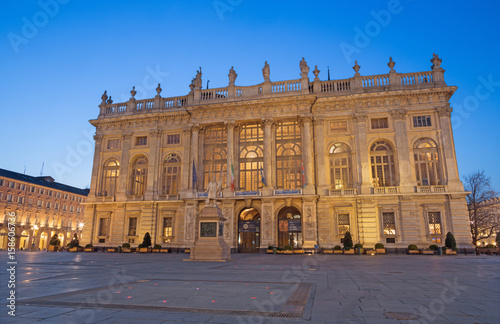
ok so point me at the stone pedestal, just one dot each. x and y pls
(209, 244)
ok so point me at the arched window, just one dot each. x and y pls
(139, 176)
(382, 163)
(171, 174)
(426, 156)
(288, 156)
(109, 182)
(251, 157)
(215, 155)
(340, 166)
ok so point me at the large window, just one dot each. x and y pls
(171, 174)
(378, 123)
(251, 157)
(382, 163)
(426, 157)
(132, 226)
(422, 121)
(434, 223)
(340, 166)
(139, 176)
(288, 155)
(344, 225)
(389, 222)
(167, 229)
(103, 226)
(215, 155)
(109, 181)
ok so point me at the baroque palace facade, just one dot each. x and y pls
(42, 208)
(300, 163)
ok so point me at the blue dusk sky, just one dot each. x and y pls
(58, 57)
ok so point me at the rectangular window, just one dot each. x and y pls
(79, 210)
(343, 223)
(103, 226)
(39, 203)
(338, 127)
(389, 221)
(141, 140)
(1, 182)
(56, 206)
(132, 226)
(12, 184)
(167, 229)
(47, 204)
(20, 200)
(65, 207)
(421, 121)
(378, 123)
(436, 240)
(32, 189)
(58, 195)
(173, 139)
(113, 144)
(71, 208)
(41, 191)
(22, 186)
(50, 193)
(390, 240)
(66, 196)
(434, 223)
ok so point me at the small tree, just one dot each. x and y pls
(450, 242)
(55, 241)
(146, 241)
(347, 241)
(483, 220)
(74, 242)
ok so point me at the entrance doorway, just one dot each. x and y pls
(249, 231)
(289, 228)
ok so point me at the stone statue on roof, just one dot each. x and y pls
(232, 76)
(266, 72)
(304, 69)
(197, 79)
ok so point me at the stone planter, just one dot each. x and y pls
(413, 251)
(75, 249)
(165, 250)
(126, 250)
(338, 251)
(53, 248)
(350, 251)
(269, 251)
(187, 251)
(144, 250)
(279, 252)
(88, 250)
(111, 250)
(450, 252)
(327, 251)
(381, 251)
(288, 252)
(298, 251)
(428, 252)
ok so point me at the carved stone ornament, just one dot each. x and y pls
(133, 92)
(316, 73)
(436, 62)
(391, 65)
(399, 113)
(444, 111)
(356, 68)
(158, 91)
(359, 117)
(155, 133)
(109, 101)
(104, 96)
(98, 138)
(126, 136)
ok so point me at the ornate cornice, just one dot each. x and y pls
(444, 111)
(399, 113)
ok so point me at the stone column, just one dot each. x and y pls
(268, 225)
(96, 166)
(268, 152)
(187, 165)
(230, 158)
(448, 152)
(321, 162)
(402, 151)
(194, 157)
(363, 158)
(309, 223)
(307, 155)
(124, 167)
(153, 173)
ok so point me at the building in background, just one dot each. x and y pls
(301, 162)
(489, 213)
(42, 208)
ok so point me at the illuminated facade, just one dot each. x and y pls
(42, 208)
(300, 163)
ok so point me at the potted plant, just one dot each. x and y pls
(430, 250)
(380, 248)
(348, 243)
(126, 248)
(144, 247)
(270, 249)
(337, 249)
(359, 248)
(89, 248)
(288, 249)
(412, 249)
(279, 250)
(74, 245)
(298, 251)
(450, 243)
(327, 251)
(54, 243)
(157, 248)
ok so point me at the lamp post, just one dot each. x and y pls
(34, 229)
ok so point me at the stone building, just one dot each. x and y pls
(42, 208)
(300, 163)
(489, 212)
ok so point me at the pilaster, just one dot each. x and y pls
(363, 167)
(268, 224)
(444, 114)
(307, 155)
(402, 150)
(124, 167)
(268, 153)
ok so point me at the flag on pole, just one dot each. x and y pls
(194, 176)
(232, 177)
(262, 177)
(303, 173)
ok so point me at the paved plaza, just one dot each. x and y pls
(252, 288)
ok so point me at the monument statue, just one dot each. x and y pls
(232, 76)
(266, 72)
(213, 190)
(197, 79)
(304, 69)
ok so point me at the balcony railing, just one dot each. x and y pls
(287, 192)
(385, 190)
(248, 193)
(429, 189)
(343, 192)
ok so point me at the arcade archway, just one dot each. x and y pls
(289, 228)
(249, 231)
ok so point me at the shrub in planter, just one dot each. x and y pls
(347, 241)
(358, 245)
(126, 245)
(412, 247)
(337, 247)
(433, 247)
(450, 241)
(157, 247)
(288, 247)
(379, 246)
(74, 242)
(89, 246)
(146, 241)
(270, 247)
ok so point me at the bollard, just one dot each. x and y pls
(274, 250)
(440, 250)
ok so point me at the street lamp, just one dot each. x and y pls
(34, 229)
